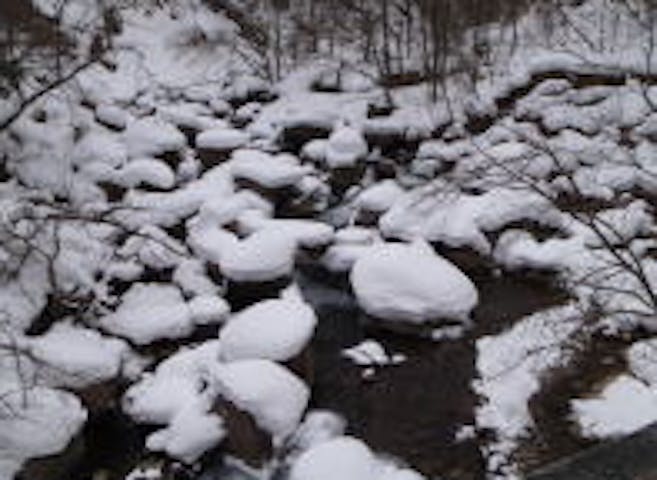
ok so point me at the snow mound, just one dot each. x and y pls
(276, 330)
(267, 170)
(379, 197)
(410, 283)
(78, 356)
(625, 406)
(112, 116)
(274, 397)
(437, 213)
(222, 139)
(177, 395)
(346, 458)
(188, 436)
(345, 147)
(266, 255)
(150, 312)
(36, 422)
(147, 171)
(150, 137)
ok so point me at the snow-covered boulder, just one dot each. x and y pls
(264, 256)
(410, 283)
(75, 356)
(152, 137)
(215, 144)
(152, 311)
(147, 171)
(346, 458)
(379, 197)
(345, 147)
(276, 398)
(112, 116)
(36, 422)
(277, 329)
(266, 170)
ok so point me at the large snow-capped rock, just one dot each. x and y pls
(275, 397)
(346, 458)
(410, 283)
(277, 329)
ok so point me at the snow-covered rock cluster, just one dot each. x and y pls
(140, 201)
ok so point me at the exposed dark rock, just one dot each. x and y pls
(212, 157)
(171, 158)
(114, 192)
(294, 137)
(243, 294)
(341, 179)
(245, 440)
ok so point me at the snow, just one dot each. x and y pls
(346, 458)
(221, 139)
(175, 386)
(371, 353)
(380, 197)
(410, 283)
(624, 406)
(437, 213)
(150, 312)
(318, 426)
(510, 366)
(188, 436)
(177, 396)
(97, 147)
(267, 170)
(76, 356)
(208, 309)
(276, 330)
(112, 115)
(345, 147)
(36, 422)
(315, 150)
(151, 136)
(305, 233)
(147, 171)
(190, 275)
(263, 256)
(274, 397)
(342, 458)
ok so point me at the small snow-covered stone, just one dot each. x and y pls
(147, 171)
(346, 146)
(379, 197)
(150, 137)
(113, 116)
(410, 283)
(267, 170)
(221, 139)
